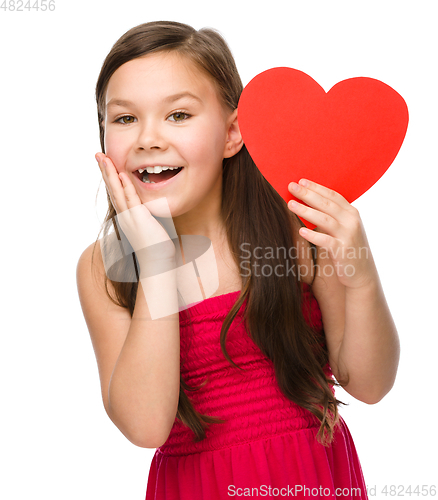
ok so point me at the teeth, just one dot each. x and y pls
(146, 180)
(155, 170)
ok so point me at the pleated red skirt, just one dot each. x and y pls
(267, 446)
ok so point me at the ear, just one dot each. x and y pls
(234, 140)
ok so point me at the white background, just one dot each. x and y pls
(57, 440)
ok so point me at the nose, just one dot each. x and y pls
(151, 137)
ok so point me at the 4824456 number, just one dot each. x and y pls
(20, 6)
(401, 491)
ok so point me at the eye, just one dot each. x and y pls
(180, 116)
(123, 118)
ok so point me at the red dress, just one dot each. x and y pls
(267, 447)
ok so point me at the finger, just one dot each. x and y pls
(317, 238)
(117, 192)
(106, 181)
(131, 195)
(326, 192)
(320, 219)
(318, 200)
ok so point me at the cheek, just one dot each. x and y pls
(116, 149)
(206, 145)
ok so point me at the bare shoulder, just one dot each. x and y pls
(108, 323)
(90, 273)
(90, 264)
(330, 295)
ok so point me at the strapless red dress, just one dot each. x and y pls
(267, 447)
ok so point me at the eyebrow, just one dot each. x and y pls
(169, 99)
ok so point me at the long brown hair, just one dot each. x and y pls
(254, 214)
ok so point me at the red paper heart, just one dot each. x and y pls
(344, 139)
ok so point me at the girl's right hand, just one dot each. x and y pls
(142, 230)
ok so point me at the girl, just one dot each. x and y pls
(236, 392)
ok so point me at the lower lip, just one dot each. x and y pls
(159, 185)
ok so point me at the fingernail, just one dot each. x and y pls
(97, 158)
(104, 164)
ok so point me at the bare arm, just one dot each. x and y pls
(361, 335)
(362, 339)
(144, 386)
(138, 357)
(370, 348)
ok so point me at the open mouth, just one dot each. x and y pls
(164, 175)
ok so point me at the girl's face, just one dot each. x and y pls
(171, 116)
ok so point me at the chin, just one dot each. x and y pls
(160, 207)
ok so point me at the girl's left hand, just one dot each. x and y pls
(339, 232)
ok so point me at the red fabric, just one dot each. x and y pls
(267, 441)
